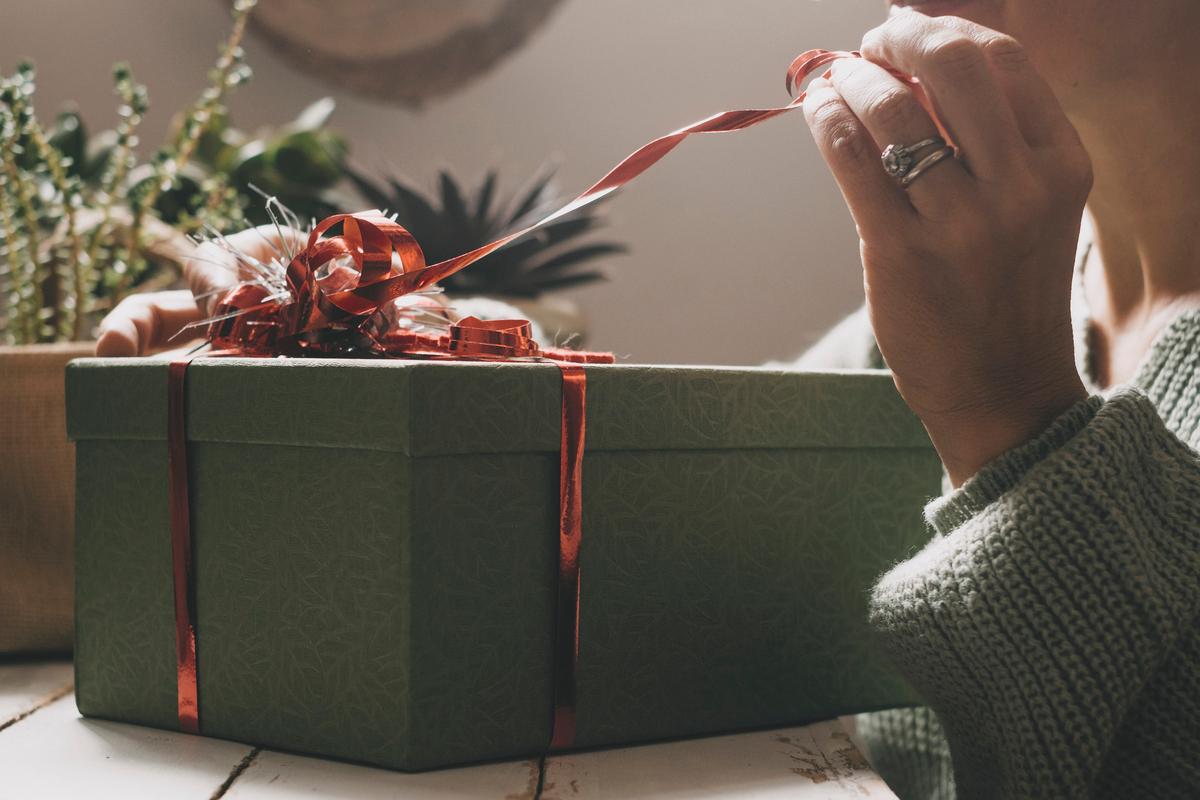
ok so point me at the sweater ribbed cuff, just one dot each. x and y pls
(1005, 471)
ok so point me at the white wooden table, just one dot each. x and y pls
(48, 750)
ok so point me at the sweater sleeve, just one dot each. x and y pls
(1066, 572)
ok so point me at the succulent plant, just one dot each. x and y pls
(79, 228)
(83, 223)
(299, 163)
(452, 221)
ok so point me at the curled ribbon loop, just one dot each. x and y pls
(502, 338)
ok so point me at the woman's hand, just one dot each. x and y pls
(146, 323)
(968, 272)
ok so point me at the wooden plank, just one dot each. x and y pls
(816, 762)
(279, 775)
(46, 749)
(56, 753)
(24, 686)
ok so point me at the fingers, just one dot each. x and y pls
(957, 73)
(892, 114)
(876, 202)
(1039, 114)
(144, 323)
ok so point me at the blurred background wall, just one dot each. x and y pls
(741, 248)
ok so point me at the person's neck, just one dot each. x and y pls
(1145, 204)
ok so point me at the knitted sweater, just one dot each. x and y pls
(1051, 623)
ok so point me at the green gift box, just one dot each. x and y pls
(376, 543)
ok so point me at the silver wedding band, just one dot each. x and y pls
(925, 164)
(905, 164)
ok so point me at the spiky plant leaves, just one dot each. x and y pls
(452, 221)
(559, 263)
(570, 227)
(455, 208)
(412, 206)
(483, 201)
(532, 289)
(539, 195)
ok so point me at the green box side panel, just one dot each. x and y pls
(727, 590)
(124, 611)
(302, 583)
(484, 552)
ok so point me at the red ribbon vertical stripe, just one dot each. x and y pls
(570, 532)
(181, 548)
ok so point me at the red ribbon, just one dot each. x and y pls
(570, 532)
(181, 548)
(327, 318)
(333, 309)
(570, 528)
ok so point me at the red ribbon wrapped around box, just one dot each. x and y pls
(323, 319)
(334, 310)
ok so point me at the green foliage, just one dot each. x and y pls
(453, 221)
(83, 222)
(300, 163)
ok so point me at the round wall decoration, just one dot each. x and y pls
(405, 51)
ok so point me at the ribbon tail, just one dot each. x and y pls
(181, 548)
(629, 168)
(570, 531)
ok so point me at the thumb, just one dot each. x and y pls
(144, 323)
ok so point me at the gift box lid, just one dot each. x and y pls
(424, 408)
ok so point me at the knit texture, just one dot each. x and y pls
(1051, 622)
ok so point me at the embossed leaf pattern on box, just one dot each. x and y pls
(385, 593)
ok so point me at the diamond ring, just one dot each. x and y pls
(900, 160)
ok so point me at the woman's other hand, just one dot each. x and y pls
(142, 324)
(968, 272)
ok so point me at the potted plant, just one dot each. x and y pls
(82, 225)
(451, 221)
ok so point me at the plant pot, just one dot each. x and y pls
(37, 499)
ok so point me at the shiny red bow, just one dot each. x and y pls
(335, 310)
